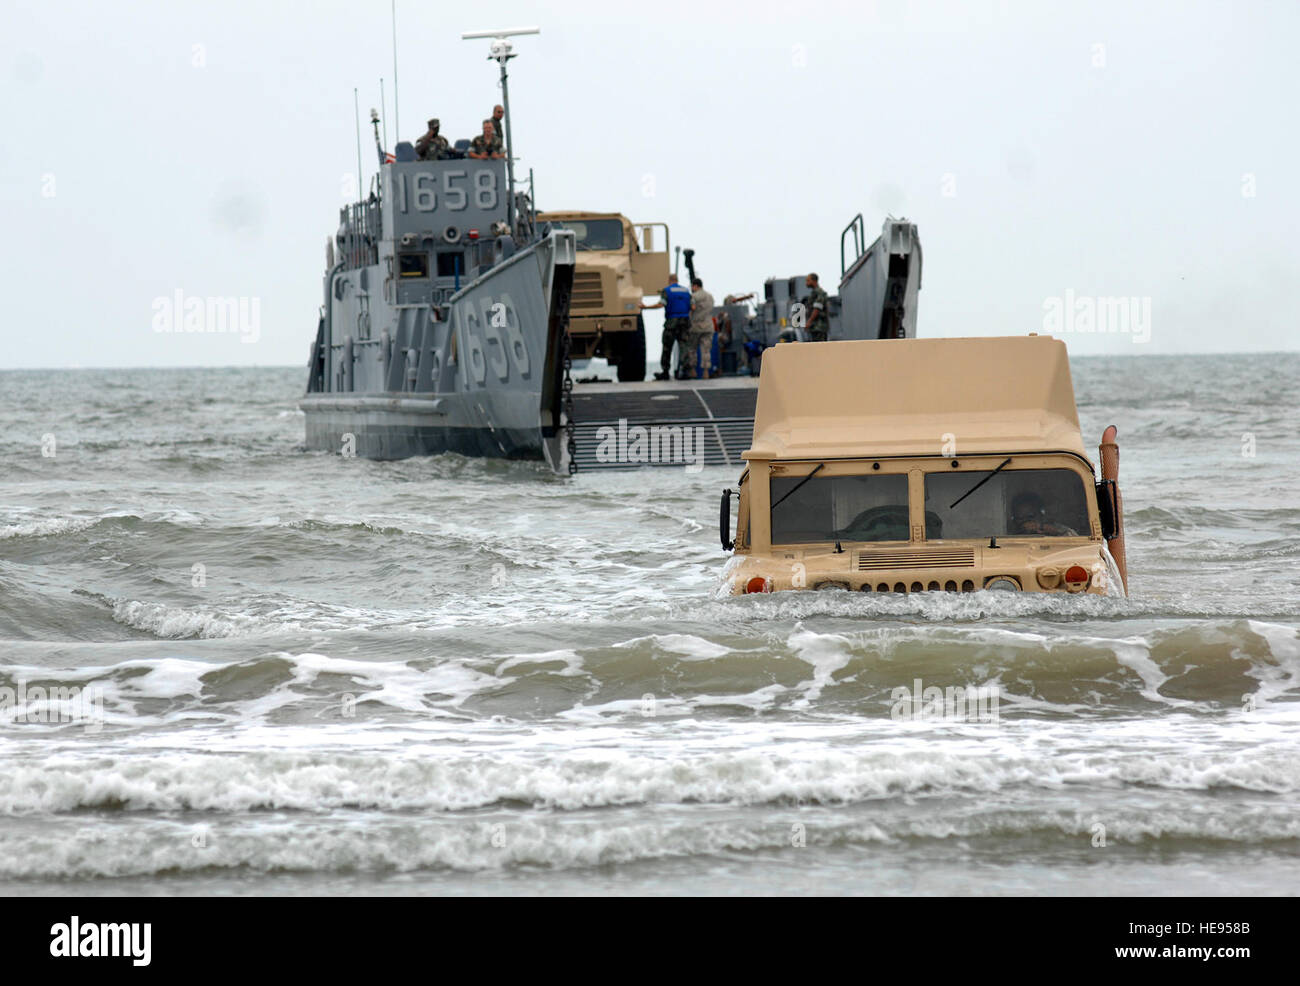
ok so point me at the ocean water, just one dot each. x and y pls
(289, 672)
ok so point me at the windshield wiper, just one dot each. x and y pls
(981, 482)
(820, 467)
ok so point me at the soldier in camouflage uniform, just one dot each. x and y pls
(487, 144)
(700, 335)
(432, 147)
(498, 125)
(818, 324)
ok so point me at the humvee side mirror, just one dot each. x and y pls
(724, 520)
(1107, 509)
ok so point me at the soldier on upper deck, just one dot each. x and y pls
(498, 112)
(487, 144)
(818, 324)
(432, 147)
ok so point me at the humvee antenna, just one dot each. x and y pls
(501, 52)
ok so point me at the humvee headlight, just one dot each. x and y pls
(1076, 578)
(758, 584)
(1003, 583)
(1049, 577)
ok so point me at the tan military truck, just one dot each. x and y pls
(619, 264)
(912, 465)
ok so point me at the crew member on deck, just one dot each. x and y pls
(675, 300)
(498, 124)
(487, 144)
(432, 147)
(818, 324)
(700, 334)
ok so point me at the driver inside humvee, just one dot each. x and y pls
(1029, 516)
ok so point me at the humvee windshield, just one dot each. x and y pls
(1014, 503)
(839, 508)
(597, 234)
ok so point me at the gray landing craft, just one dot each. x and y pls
(441, 330)
(444, 327)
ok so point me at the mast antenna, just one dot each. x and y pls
(501, 52)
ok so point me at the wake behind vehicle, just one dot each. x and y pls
(913, 465)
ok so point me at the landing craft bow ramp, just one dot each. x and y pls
(719, 411)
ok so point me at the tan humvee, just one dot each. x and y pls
(618, 265)
(910, 465)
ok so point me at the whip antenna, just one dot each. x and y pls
(397, 117)
(356, 110)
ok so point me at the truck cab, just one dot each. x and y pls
(923, 465)
(619, 264)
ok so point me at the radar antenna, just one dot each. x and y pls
(501, 52)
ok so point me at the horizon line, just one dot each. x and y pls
(284, 366)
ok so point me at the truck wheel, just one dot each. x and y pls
(631, 353)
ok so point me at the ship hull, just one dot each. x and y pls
(391, 426)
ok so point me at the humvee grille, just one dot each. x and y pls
(586, 290)
(916, 558)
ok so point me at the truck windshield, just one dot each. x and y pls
(597, 234)
(1013, 503)
(839, 508)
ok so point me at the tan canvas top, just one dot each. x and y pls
(903, 396)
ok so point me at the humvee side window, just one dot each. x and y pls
(839, 508)
(412, 265)
(1014, 503)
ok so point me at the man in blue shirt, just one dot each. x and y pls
(675, 299)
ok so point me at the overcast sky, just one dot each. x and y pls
(1106, 149)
